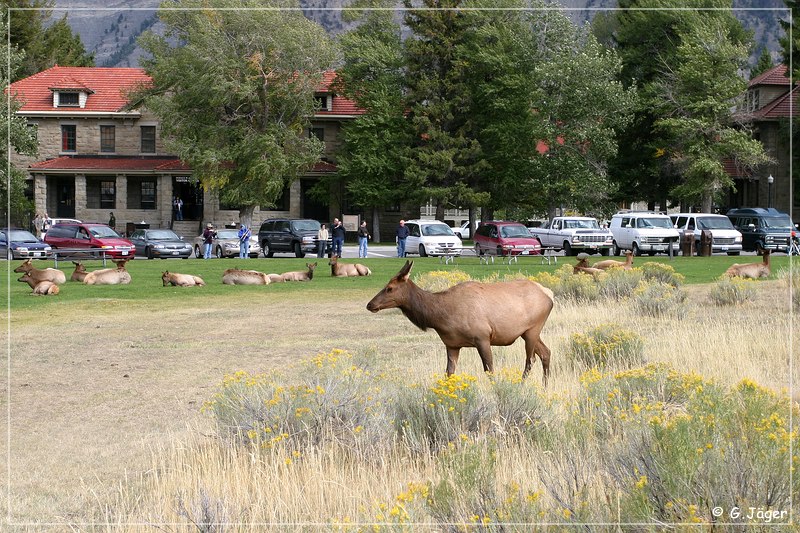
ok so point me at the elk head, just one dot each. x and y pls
(312, 266)
(26, 266)
(165, 278)
(79, 266)
(395, 293)
(120, 263)
(333, 260)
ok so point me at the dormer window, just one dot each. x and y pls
(68, 99)
(323, 102)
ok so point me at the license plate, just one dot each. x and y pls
(175, 253)
(724, 248)
(124, 253)
(658, 248)
(525, 252)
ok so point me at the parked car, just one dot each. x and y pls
(463, 232)
(226, 244)
(50, 222)
(288, 235)
(90, 236)
(22, 244)
(643, 231)
(574, 234)
(502, 237)
(724, 237)
(161, 243)
(431, 237)
(762, 228)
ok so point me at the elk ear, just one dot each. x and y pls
(405, 271)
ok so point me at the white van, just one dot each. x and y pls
(644, 232)
(431, 237)
(725, 237)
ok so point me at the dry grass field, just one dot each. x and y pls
(107, 429)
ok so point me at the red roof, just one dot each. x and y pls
(341, 105)
(782, 107)
(111, 163)
(774, 76)
(108, 86)
(735, 171)
(323, 166)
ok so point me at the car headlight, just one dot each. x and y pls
(47, 248)
(738, 239)
(21, 248)
(231, 245)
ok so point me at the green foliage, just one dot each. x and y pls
(661, 272)
(732, 291)
(607, 345)
(763, 64)
(234, 99)
(659, 299)
(619, 283)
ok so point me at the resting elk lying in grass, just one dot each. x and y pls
(44, 274)
(79, 274)
(181, 280)
(751, 270)
(612, 263)
(40, 287)
(235, 276)
(583, 266)
(478, 315)
(109, 276)
(300, 275)
(341, 270)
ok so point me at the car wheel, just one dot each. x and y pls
(635, 249)
(10, 254)
(478, 250)
(616, 249)
(148, 253)
(605, 252)
(297, 251)
(422, 252)
(500, 251)
(219, 252)
(567, 249)
(266, 249)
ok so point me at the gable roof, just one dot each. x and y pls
(774, 76)
(340, 105)
(782, 107)
(108, 85)
(112, 163)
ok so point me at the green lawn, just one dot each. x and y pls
(146, 284)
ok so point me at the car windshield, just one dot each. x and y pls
(227, 234)
(162, 235)
(515, 231)
(436, 230)
(714, 223)
(305, 225)
(22, 236)
(104, 231)
(777, 222)
(655, 222)
(581, 224)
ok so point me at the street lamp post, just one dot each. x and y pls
(770, 179)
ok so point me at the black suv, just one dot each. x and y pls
(298, 236)
(762, 229)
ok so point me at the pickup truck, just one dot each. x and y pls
(574, 234)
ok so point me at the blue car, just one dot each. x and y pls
(22, 244)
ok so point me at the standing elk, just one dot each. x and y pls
(43, 287)
(478, 315)
(235, 276)
(613, 263)
(751, 270)
(109, 276)
(342, 270)
(79, 274)
(181, 280)
(300, 275)
(44, 274)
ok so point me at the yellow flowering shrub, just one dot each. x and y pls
(607, 344)
(439, 280)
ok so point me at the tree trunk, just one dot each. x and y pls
(439, 211)
(376, 224)
(246, 215)
(705, 202)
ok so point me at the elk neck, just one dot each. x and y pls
(424, 309)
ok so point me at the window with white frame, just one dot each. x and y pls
(68, 99)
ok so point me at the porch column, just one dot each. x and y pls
(40, 193)
(80, 196)
(122, 192)
(164, 200)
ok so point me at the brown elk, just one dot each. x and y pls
(613, 263)
(235, 276)
(342, 270)
(40, 287)
(43, 274)
(583, 266)
(751, 270)
(109, 276)
(478, 315)
(181, 280)
(79, 273)
(300, 275)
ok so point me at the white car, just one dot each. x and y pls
(725, 237)
(463, 231)
(431, 237)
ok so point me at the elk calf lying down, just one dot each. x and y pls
(583, 266)
(341, 270)
(45, 274)
(471, 314)
(751, 270)
(79, 273)
(300, 275)
(40, 287)
(234, 276)
(181, 280)
(109, 276)
(612, 263)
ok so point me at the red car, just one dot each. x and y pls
(500, 237)
(90, 236)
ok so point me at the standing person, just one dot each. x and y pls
(38, 223)
(112, 221)
(401, 234)
(363, 237)
(208, 240)
(322, 240)
(178, 204)
(337, 230)
(45, 223)
(244, 241)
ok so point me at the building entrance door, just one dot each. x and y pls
(65, 197)
(190, 192)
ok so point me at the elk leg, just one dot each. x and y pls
(485, 351)
(544, 354)
(452, 359)
(530, 356)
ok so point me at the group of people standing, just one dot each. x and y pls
(337, 233)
